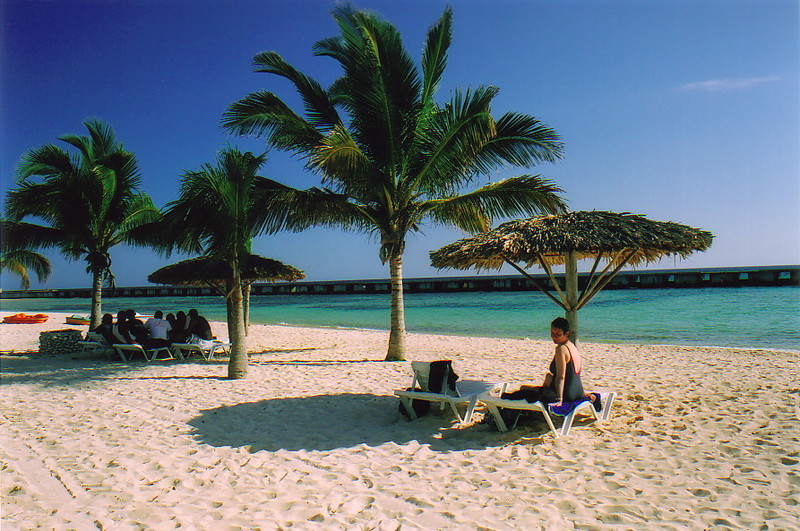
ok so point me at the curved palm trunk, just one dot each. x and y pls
(397, 332)
(246, 295)
(237, 366)
(97, 294)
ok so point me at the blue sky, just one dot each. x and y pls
(681, 110)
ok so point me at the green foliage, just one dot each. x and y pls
(86, 201)
(389, 154)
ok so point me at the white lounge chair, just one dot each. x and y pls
(93, 341)
(148, 355)
(493, 403)
(186, 349)
(466, 392)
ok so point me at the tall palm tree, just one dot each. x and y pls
(398, 156)
(88, 202)
(219, 211)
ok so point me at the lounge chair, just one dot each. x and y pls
(458, 393)
(493, 403)
(93, 341)
(147, 354)
(186, 349)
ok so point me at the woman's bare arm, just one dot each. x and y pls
(562, 358)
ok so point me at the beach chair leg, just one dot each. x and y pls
(498, 418)
(549, 420)
(409, 408)
(607, 399)
(567, 424)
(121, 354)
(458, 415)
(473, 402)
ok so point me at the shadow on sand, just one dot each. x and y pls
(328, 422)
(60, 370)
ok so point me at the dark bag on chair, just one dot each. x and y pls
(421, 407)
(441, 371)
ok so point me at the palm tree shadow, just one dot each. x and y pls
(328, 422)
(284, 351)
(57, 372)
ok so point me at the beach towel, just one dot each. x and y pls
(440, 369)
(565, 408)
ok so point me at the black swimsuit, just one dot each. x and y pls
(573, 387)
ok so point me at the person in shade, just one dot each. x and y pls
(562, 383)
(158, 327)
(180, 334)
(106, 329)
(198, 326)
(121, 329)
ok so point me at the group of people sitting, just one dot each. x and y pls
(156, 331)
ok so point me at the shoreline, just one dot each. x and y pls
(698, 438)
(732, 318)
(220, 327)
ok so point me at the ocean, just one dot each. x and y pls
(750, 317)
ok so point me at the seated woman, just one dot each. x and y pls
(105, 329)
(562, 383)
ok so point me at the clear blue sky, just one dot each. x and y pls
(681, 110)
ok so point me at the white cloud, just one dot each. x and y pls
(716, 85)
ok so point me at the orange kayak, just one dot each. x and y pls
(22, 318)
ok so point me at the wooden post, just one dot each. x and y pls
(571, 277)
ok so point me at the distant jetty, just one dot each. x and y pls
(666, 278)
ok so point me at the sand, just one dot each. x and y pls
(700, 438)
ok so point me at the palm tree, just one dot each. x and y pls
(399, 157)
(88, 202)
(219, 211)
(20, 261)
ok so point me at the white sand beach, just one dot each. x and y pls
(700, 438)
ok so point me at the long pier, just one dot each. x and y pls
(650, 279)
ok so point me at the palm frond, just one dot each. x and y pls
(46, 161)
(453, 138)
(434, 56)
(20, 261)
(319, 109)
(520, 140)
(527, 194)
(264, 114)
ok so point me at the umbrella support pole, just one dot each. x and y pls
(534, 281)
(571, 281)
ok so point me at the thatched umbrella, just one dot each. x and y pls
(206, 271)
(615, 238)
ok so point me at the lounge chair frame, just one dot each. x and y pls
(494, 403)
(148, 354)
(185, 349)
(465, 394)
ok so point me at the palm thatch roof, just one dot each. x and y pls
(205, 271)
(617, 237)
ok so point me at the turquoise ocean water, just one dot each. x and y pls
(763, 317)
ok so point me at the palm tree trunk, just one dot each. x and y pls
(97, 294)
(397, 332)
(246, 295)
(237, 366)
